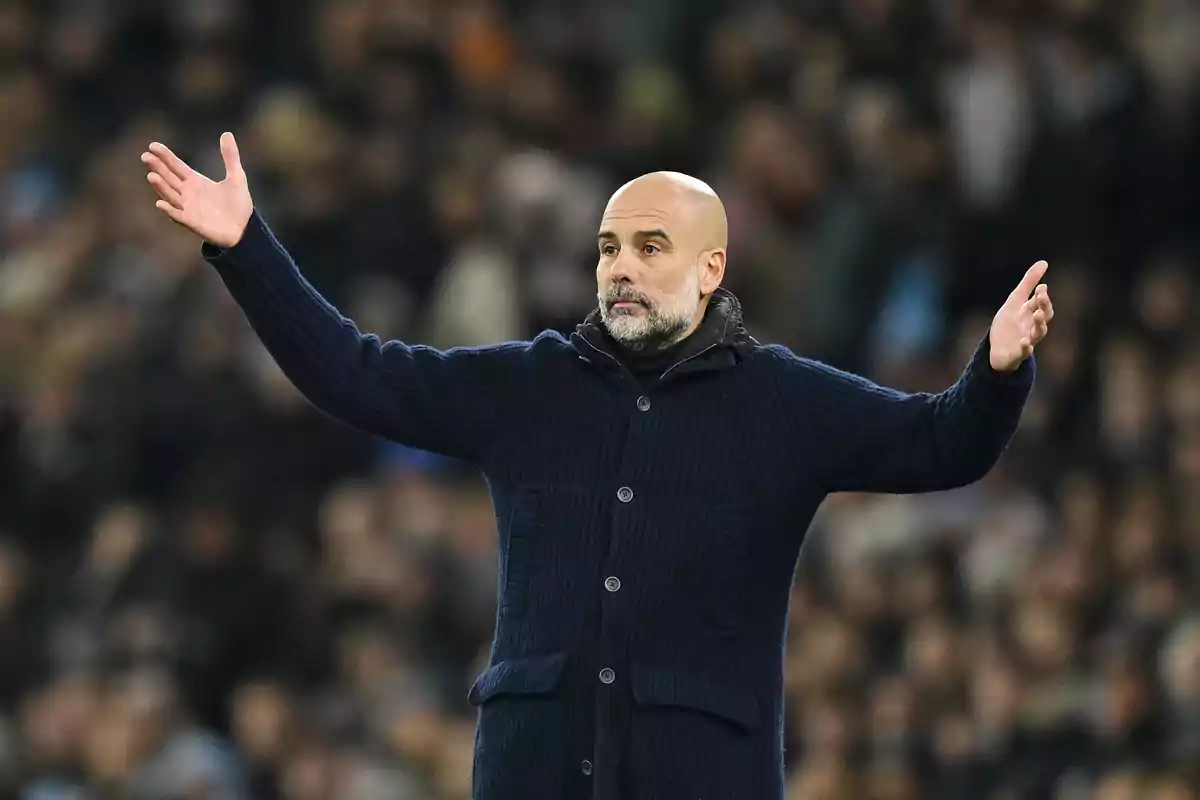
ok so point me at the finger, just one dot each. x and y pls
(1030, 281)
(171, 211)
(165, 190)
(1042, 295)
(173, 162)
(157, 165)
(1038, 304)
(1040, 327)
(231, 156)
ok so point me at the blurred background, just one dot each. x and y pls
(209, 590)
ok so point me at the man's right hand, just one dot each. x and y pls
(215, 211)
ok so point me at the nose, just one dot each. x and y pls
(621, 270)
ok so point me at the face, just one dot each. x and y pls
(656, 267)
(260, 721)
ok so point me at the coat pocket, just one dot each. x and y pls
(691, 738)
(536, 675)
(523, 737)
(657, 686)
(519, 528)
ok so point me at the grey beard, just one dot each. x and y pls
(659, 332)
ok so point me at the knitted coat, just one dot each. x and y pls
(648, 536)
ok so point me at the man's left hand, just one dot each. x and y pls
(1022, 322)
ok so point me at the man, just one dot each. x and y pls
(653, 477)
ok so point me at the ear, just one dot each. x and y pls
(712, 271)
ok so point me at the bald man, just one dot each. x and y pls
(653, 476)
(677, 223)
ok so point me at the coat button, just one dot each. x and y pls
(607, 675)
(586, 767)
(624, 494)
(612, 584)
(643, 403)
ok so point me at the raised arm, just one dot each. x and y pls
(875, 439)
(446, 402)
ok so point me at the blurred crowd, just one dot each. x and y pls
(209, 590)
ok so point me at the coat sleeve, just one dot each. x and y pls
(876, 439)
(441, 401)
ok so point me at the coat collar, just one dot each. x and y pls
(720, 341)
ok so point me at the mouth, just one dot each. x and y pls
(625, 305)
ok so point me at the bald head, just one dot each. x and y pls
(681, 198)
(662, 247)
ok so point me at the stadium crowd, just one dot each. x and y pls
(209, 590)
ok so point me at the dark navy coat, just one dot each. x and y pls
(648, 535)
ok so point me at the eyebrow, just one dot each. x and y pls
(654, 234)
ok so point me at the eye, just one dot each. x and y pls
(650, 249)
(607, 249)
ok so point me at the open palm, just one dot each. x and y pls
(216, 211)
(1022, 322)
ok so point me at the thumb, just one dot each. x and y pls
(231, 157)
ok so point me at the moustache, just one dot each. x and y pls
(626, 295)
